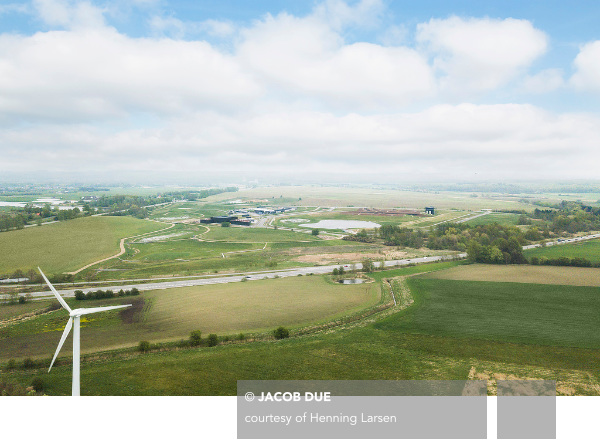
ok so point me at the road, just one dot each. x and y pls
(561, 241)
(283, 273)
(248, 276)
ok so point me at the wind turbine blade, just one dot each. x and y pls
(89, 310)
(62, 341)
(58, 297)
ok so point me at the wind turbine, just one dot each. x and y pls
(74, 316)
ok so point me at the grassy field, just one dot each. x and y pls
(575, 276)
(344, 215)
(589, 249)
(183, 210)
(254, 235)
(253, 306)
(490, 330)
(505, 219)
(508, 312)
(69, 245)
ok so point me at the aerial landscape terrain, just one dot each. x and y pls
(301, 282)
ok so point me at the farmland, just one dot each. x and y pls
(380, 198)
(254, 306)
(574, 276)
(507, 312)
(67, 246)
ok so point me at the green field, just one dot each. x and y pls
(453, 329)
(508, 312)
(68, 245)
(589, 249)
(254, 235)
(253, 306)
(505, 219)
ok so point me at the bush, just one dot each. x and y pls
(335, 271)
(38, 384)
(281, 333)
(368, 266)
(225, 224)
(28, 363)
(22, 299)
(195, 338)
(315, 232)
(144, 346)
(183, 343)
(212, 340)
(241, 337)
(79, 295)
(11, 365)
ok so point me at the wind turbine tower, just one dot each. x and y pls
(74, 321)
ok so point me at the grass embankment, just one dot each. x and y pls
(69, 245)
(589, 249)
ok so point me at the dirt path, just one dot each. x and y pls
(123, 250)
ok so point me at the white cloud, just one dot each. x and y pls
(290, 96)
(480, 54)
(587, 65)
(495, 141)
(307, 57)
(75, 75)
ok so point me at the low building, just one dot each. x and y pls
(430, 210)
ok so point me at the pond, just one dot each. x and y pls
(352, 281)
(341, 224)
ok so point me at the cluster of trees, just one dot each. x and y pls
(102, 294)
(12, 221)
(362, 236)
(491, 243)
(19, 217)
(500, 252)
(393, 235)
(569, 217)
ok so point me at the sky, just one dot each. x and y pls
(290, 91)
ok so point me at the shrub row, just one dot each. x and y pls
(563, 261)
(102, 294)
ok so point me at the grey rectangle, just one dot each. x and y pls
(526, 409)
(352, 413)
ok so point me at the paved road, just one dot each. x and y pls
(564, 241)
(249, 276)
(285, 272)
